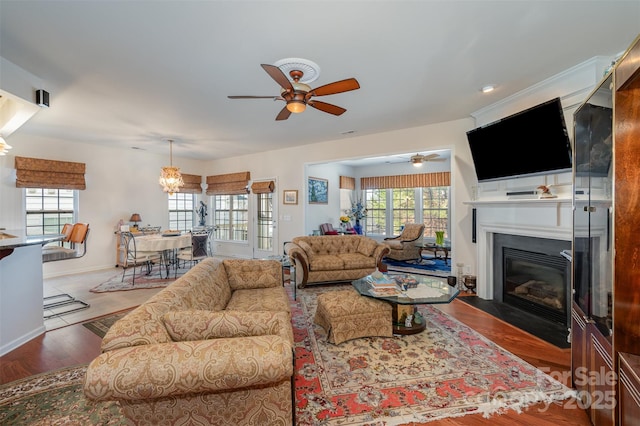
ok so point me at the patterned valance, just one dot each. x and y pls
(264, 187)
(228, 184)
(39, 173)
(192, 184)
(422, 180)
(347, 182)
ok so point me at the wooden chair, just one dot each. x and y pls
(77, 239)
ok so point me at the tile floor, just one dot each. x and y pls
(78, 286)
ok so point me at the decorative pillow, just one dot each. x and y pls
(367, 246)
(193, 325)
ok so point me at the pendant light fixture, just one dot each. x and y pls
(170, 177)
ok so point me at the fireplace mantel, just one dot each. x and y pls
(544, 218)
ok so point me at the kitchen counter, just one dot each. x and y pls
(21, 289)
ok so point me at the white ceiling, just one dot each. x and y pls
(135, 73)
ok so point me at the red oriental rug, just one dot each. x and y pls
(448, 370)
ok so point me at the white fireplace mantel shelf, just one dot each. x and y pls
(520, 202)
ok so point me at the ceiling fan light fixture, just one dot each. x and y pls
(417, 163)
(296, 107)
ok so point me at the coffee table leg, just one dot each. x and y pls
(399, 314)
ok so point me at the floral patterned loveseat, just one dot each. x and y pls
(214, 347)
(331, 258)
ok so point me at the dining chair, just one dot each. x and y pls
(196, 252)
(134, 258)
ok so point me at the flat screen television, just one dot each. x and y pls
(531, 142)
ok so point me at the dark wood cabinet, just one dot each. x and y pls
(605, 317)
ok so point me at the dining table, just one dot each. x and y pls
(166, 244)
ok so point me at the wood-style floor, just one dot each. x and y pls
(75, 344)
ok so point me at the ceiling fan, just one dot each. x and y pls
(298, 95)
(418, 159)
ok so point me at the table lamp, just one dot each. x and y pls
(135, 218)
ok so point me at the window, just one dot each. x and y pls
(435, 210)
(376, 202)
(181, 211)
(429, 205)
(230, 217)
(404, 208)
(265, 221)
(49, 209)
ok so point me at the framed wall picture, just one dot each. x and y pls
(318, 191)
(290, 196)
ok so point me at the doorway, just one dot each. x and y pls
(265, 240)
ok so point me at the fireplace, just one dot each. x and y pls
(531, 275)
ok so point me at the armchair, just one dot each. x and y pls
(403, 247)
(327, 229)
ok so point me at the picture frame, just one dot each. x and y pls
(318, 190)
(290, 196)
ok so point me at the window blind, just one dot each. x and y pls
(264, 187)
(228, 184)
(422, 180)
(40, 173)
(192, 184)
(347, 182)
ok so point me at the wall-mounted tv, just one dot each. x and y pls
(530, 142)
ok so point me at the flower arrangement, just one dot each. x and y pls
(344, 219)
(357, 211)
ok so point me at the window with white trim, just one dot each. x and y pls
(48, 210)
(231, 217)
(181, 211)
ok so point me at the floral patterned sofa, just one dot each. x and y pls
(331, 258)
(214, 347)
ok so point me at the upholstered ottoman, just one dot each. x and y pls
(345, 315)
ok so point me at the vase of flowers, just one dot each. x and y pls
(357, 212)
(344, 220)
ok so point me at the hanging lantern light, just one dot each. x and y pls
(170, 177)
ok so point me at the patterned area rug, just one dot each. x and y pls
(100, 326)
(428, 266)
(154, 280)
(448, 370)
(54, 398)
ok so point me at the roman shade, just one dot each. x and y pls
(347, 182)
(192, 184)
(39, 173)
(263, 187)
(422, 180)
(228, 184)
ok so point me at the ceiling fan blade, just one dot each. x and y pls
(275, 98)
(335, 87)
(284, 114)
(277, 74)
(430, 157)
(323, 106)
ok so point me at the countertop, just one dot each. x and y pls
(13, 238)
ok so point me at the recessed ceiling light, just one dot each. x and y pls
(488, 88)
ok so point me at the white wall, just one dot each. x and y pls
(119, 183)
(293, 166)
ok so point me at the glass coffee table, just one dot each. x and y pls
(404, 293)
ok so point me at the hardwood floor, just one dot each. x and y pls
(75, 344)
